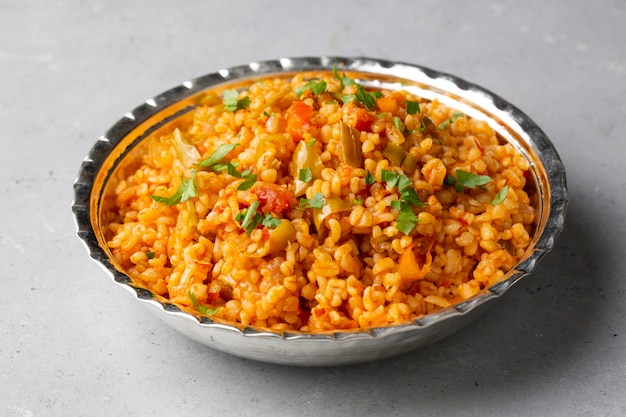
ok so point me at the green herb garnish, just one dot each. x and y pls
(407, 220)
(312, 142)
(347, 98)
(202, 309)
(466, 179)
(362, 96)
(185, 191)
(367, 99)
(369, 178)
(412, 107)
(214, 162)
(250, 180)
(344, 79)
(217, 155)
(316, 87)
(231, 101)
(150, 255)
(317, 201)
(398, 123)
(499, 198)
(249, 218)
(455, 116)
(390, 177)
(230, 167)
(270, 221)
(305, 174)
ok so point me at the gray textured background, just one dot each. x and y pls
(74, 344)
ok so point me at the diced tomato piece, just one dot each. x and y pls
(212, 296)
(273, 198)
(319, 311)
(364, 120)
(299, 119)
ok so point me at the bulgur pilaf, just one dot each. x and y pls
(313, 203)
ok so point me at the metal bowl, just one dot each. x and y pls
(124, 138)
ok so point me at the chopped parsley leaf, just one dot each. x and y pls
(270, 221)
(455, 116)
(249, 218)
(499, 198)
(398, 123)
(347, 98)
(217, 155)
(390, 177)
(344, 79)
(202, 309)
(407, 220)
(412, 107)
(305, 174)
(249, 181)
(466, 179)
(367, 99)
(369, 178)
(214, 162)
(231, 101)
(362, 96)
(316, 202)
(185, 191)
(230, 167)
(150, 255)
(316, 87)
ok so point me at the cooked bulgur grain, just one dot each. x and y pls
(312, 203)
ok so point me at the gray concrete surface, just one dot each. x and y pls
(74, 344)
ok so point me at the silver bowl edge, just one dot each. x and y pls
(338, 347)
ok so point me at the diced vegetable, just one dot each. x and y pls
(398, 156)
(409, 163)
(210, 99)
(350, 145)
(427, 126)
(409, 267)
(273, 198)
(299, 119)
(305, 157)
(394, 153)
(284, 233)
(332, 205)
(387, 104)
(187, 153)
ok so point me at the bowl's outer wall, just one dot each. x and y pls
(338, 348)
